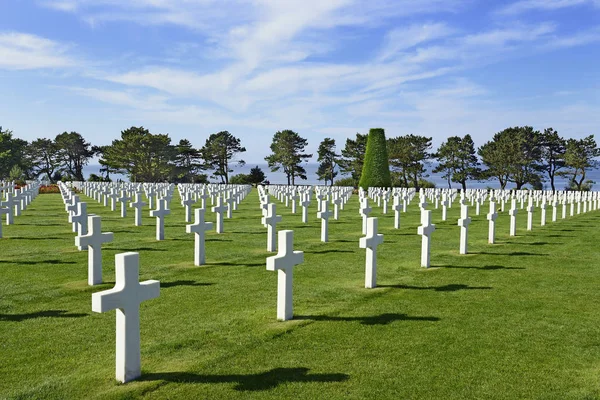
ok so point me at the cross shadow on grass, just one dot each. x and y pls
(34, 238)
(382, 319)
(39, 314)
(251, 382)
(329, 251)
(183, 283)
(238, 264)
(37, 262)
(453, 287)
(514, 253)
(484, 268)
(135, 249)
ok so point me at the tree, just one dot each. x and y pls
(328, 159)
(187, 162)
(44, 157)
(580, 155)
(73, 153)
(288, 153)
(552, 147)
(408, 155)
(220, 149)
(513, 155)
(457, 159)
(353, 156)
(143, 156)
(13, 152)
(256, 176)
(376, 168)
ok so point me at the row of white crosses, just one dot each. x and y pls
(14, 201)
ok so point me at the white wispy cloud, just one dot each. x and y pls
(542, 5)
(399, 39)
(21, 51)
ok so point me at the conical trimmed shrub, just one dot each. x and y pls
(376, 168)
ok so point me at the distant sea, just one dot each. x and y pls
(312, 179)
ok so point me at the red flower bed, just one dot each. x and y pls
(49, 189)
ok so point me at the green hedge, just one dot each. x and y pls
(376, 168)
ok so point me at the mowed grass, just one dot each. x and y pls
(518, 319)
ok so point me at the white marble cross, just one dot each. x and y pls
(9, 203)
(492, 215)
(123, 200)
(464, 223)
(125, 298)
(93, 240)
(365, 210)
(81, 219)
(324, 214)
(284, 262)
(425, 230)
(444, 206)
(138, 205)
(187, 203)
(543, 209)
(219, 209)
(160, 214)
(305, 203)
(513, 217)
(198, 228)
(229, 200)
(396, 207)
(370, 243)
(2, 212)
(270, 221)
(530, 214)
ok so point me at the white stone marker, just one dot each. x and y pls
(229, 200)
(138, 205)
(9, 203)
(324, 214)
(464, 222)
(513, 217)
(396, 207)
(2, 212)
(425, 230)
(270, 221)
(126, 297)
(530, 214)
(160, 214)
(284, 263)
(444, 206)
(198, 228)
(543, 208)
(365, 210)
(188, 202)
(492, 215)
(123, 200)
(81, 219)
(219, 209)
(370, 243)
(305, 203)
(93, 240)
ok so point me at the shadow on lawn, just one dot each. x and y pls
(330, 251)
(39, 314)
(382, 319)
(37, 262)
(135, 249)
(514, 253)
(453, 287)
(35, 238)
(484, 268)
(251, 382)
(183, 283)
(237, 264)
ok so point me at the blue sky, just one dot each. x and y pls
(322, 68)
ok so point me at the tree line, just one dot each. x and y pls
(519, 155)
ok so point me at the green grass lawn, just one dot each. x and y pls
(515, 320)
